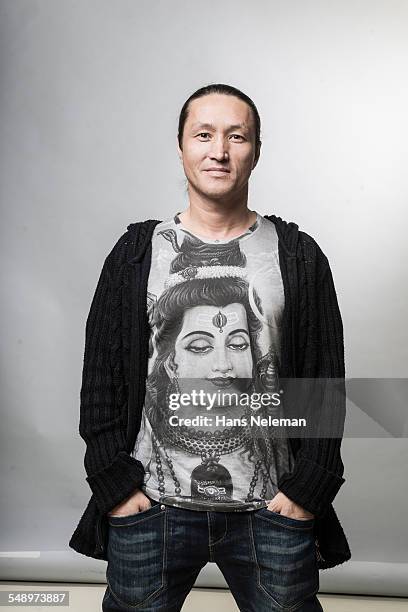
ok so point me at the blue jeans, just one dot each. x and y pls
(154, 557)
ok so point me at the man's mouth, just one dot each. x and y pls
(217, 172)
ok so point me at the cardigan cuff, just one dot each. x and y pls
(311, 486)
(113, 484)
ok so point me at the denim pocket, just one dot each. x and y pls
(118, 520)
(285, 556)
(136, 555)
(287, 521)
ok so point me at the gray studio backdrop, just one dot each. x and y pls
(89, 98)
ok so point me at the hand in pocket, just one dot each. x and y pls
(137, 502)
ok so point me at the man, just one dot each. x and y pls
(215, 302)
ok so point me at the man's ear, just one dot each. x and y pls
(257, 155)
(179, 151)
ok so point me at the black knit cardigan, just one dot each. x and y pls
(115, 369)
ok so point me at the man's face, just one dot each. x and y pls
(219, 132)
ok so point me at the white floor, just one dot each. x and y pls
(88, 597)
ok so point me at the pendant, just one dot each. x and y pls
(211, 481)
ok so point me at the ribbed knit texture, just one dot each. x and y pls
(115, 370)
(317, 346)
(111, 473)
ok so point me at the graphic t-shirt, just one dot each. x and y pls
(215, 309)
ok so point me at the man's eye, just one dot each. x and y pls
(235, 136)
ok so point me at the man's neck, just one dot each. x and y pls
(217, 222)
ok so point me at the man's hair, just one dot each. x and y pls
(219, 88)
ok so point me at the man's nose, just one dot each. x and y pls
(219, 149)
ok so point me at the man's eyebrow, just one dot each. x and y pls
(211, 126)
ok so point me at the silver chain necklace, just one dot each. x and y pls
(210, 470)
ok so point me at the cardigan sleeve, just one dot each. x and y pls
(318, 472)
(112, 473)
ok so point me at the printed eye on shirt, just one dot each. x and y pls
(215, 309)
